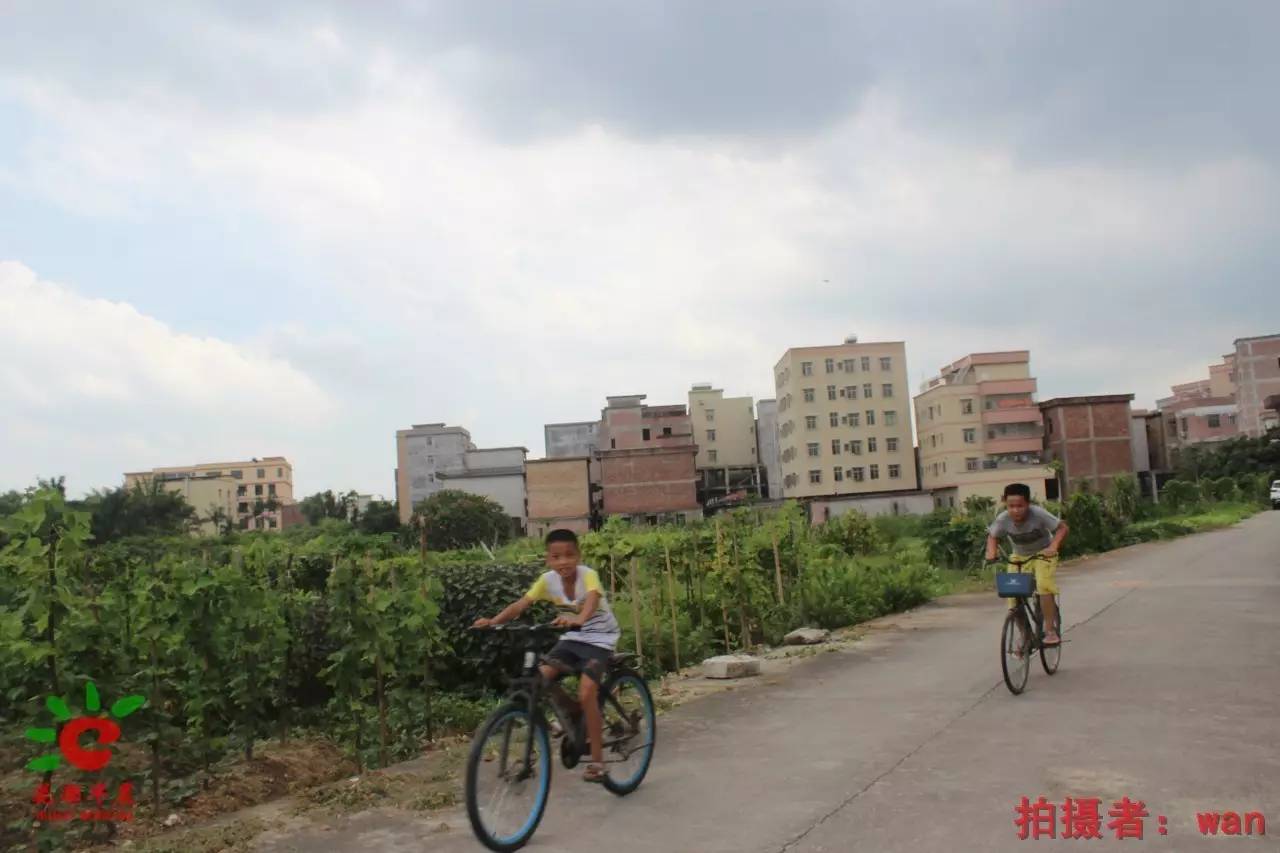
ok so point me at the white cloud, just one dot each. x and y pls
(94, 388)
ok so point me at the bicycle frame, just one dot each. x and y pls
(1031, 613)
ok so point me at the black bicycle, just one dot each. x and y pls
(509, 768)
(1024, 628)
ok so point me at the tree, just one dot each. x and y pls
(315, 508)
(453, 519)
(379, 517)
(145, 509)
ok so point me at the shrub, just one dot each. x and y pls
(1180, 495)
(853, 533)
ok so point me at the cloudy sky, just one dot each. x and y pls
(241, 229)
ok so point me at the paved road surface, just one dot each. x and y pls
(1169, 692)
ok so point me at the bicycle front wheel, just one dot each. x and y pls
(1015, 652)
(508, 778)
(630, 731)
(1051, 656)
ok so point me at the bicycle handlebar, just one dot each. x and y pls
(513, 628)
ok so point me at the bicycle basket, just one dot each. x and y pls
(1015, 584)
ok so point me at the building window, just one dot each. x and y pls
(991, 433)
(257, 490)
(238, 475)
(871, 445)
(933, 440)
(806, 368)
(895, 472)
(262, 472)
(866, 390)
(835, 419)
(242, 507)
(855, 419)
(1215, 421)
(966, 407)
(810, 421)
(970, 436)
(808, 395)
(871, 417)
(851, 392)
(813, 448)
(971, 464)
(831, 365)
(890, 418)
(831, 392)
(711, 456)
(886, 390)
(855, 447)
(875, 472)
(848, 365)
(241, 491)
(815, 476)
(835, 447)
(866, 362)
(666, 432)
(891, 445)
(711, 435)
(886, 363)
(858, 474)
(644, 433)
(837, 474)
(271, 490)
(711, 414)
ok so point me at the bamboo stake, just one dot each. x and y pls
(742, 596)
(635, 607)
(671, 593)
(777, 566)
(724, 608)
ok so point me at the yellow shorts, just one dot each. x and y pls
(1046, 570)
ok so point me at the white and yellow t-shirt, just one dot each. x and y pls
(601, 629)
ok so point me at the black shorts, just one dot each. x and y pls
(580, 659)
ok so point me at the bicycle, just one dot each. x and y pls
(1017, 640)
(514, 744)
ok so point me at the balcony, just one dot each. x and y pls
(1014, 444)
(1012, 415)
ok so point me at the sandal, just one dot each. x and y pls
(594, 773)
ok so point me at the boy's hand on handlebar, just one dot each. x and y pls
(567, 621)
(1049, 552)
(483, 623)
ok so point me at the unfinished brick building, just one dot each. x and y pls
(1091, 435)
(648, 461)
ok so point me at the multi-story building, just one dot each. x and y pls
(253, 494)
(725, 431)
(980, 429)
(421, 454)
(767, 447)
(434, 457)
(1257, 380)
(844, 423)
(1201, 412)
(496, 473)
(559, 494)
(648, 461)
(571, 440)
(1092, 437)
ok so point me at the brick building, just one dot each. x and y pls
(1257, 379)
(1091, 436)
(648, 461)
(559, 494)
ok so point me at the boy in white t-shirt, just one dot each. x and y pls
(586, 649)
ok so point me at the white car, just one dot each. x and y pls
(1275, 494)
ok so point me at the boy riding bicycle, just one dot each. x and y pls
(1033, 531)
(586, 650)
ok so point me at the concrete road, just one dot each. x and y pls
(1169, 693)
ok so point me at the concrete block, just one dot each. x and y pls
(806, 637)
(731, 666)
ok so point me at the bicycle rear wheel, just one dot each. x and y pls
(505, 797)
(1051, 656)
(630, 731)
(1015, 651)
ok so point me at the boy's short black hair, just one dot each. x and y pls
(1021, 490)
(562, 534)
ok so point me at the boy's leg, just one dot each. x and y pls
(589, 697)
(1047, 586)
